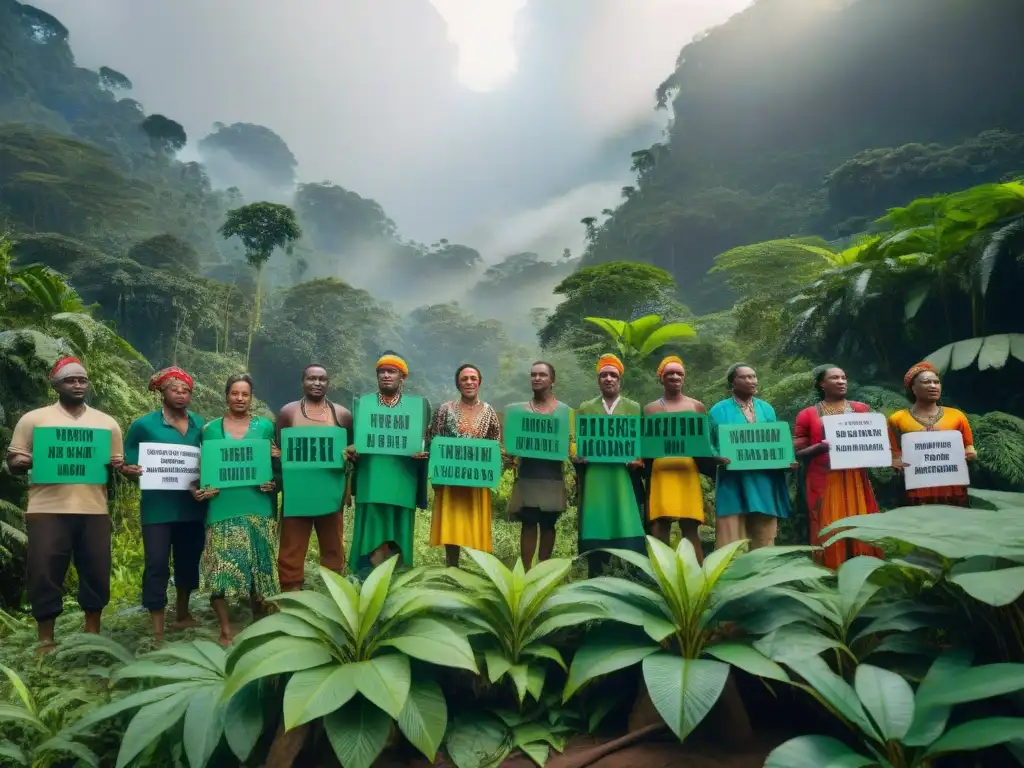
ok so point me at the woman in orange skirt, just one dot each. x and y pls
(831, 494)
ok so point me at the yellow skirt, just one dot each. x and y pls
(675, 490)
(462, 517)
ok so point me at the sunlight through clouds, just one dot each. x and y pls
(484, 32)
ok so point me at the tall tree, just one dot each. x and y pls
(165, 135)
(262, 228)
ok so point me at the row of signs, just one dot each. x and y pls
(312, 455)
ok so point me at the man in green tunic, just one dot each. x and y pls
(610, 495)
(387, 487)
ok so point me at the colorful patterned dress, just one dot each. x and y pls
(948, 419)
(387, 489)
(462, 515)
(240, 558)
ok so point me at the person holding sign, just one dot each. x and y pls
(172, 519)
(924, 390)
(748, 503)
(538, 493)
(832, 494)
(462, 514)
(239, 556)
(610, 494)
(69, 449)
(673, 491)
(313, 410)
(391, 474)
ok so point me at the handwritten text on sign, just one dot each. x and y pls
(857, 440)
(463, 461)
(935, 458)
(675, 434)
(168, 467)
(756, 446)
(397, 430)
(608, 439)
(537, 435)
(313, 470)
(235, 463)
(70, 455)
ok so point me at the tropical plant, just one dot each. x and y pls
(181, 701)
(349, 656)
(897, 727)
(682, 607)
(634, 340)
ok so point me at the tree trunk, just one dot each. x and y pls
(257, 301)
(287, 745)
(728, 717)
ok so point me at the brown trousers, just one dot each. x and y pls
(760, 529)
(54, 542)
(295, 533)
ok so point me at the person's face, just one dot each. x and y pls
(388, 379)
(540, 378)
(315, 383)
(469, 383)
(72, 389)
(927, 387)
(609, 382)
(744, 383)
(177, 395)
(239, 398)
(672, 378)
(834, 385)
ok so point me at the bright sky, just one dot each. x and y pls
(484, 32)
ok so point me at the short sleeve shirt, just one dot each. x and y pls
(164, 506)
(65, 498)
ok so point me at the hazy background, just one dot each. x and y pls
(495, 123)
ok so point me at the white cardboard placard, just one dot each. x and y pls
(168, 467)
(857, 440)
(935, 459)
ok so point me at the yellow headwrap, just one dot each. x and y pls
(667, 362)
(610, 360)
(395, 362)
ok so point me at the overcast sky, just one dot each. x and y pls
(484, 121)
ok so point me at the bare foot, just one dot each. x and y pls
(188, 622)
(225, 640)
(158, 639)
(44, 648)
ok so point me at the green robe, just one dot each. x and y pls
(387, 489)
(610, 495)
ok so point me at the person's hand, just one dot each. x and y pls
(722, 460)
(19, 461)
(275, 452)
(131, 470)
(972, 456)
(636, 464)
(421, 455)
(578, 460)
(795, 465)
(899, 465)
(822, 447)
(117, 464)
(204, 494)
(269, 487)
(350, 453)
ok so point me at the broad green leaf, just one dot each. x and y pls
(854, 589)
(541, 581)
(536, 674)
(277, 624)
(994, 352)
(497, 663)
(642, 562)
(568, 616)
(60, 745)
(496, 572)
(478, 741)
(204, 725)
(614, 328)
(155, 670)
(793, 642)
(275, 657)
(11, 714)
(519, 674)
(668, 571)
(150, 723)
(346, 597)
(13, 752)
(541, 651)
(424, 718)
(888, 698)
(748, 659)
(716, 563)
(323, 613)
(667, 334)
(214, 654)
(629, 603)
(978, 734)
(917, 296)
(835, 691)
(384, 681)
(683, 690)
(997, 587)
(536, 751)
(434, 641)
(606, 652)
(372, 596)
(19, 688)
(190, 653)
(973, 684)
(357, 732)
(313, 693)
(124, 703)
(930, 719)
(243, 721)
(88, 643)
(816, 752)
(637, 331)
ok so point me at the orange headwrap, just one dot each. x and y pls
(908, 380)
(669, 361)
(610, 360)
(395, 362)
(64, 362)
(158, 379)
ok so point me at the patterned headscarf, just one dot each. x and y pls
(610, 361)
(819, 376)
(67, 367)
(908, 380)
(159, 380)
(670, 360)
(393, 360)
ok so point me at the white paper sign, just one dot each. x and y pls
(857, 440)
(935, 459)
(168, 467)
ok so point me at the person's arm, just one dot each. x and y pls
(426, 428)
(199, 493)
(19, 452)
(965, 429)
(802, 445)
(132, 440)
(896, 442)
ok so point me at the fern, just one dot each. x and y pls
(999, 439)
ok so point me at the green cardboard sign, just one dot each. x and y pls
(313, 470)
(537, 435)
(767, 445)
(231, 463)
(397, 431)
(63, 455)
(682, 433)
(465, 461)
(608, 439)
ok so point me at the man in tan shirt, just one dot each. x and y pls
(66, 521)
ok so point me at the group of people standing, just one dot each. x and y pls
(257, 553)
